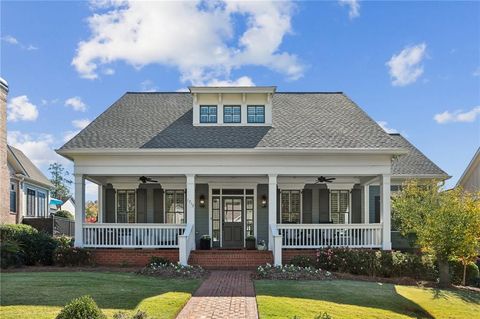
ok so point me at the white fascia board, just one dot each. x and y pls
(232, 89)
(213, 151)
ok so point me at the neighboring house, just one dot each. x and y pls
(470, 179)
(29, 188)
(69, 206)
(296, 170)
(5, 216)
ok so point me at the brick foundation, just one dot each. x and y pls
(130, 257)
(288, 254)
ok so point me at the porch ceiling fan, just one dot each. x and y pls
(323, 179)
(145, 179)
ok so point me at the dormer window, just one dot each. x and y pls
(208, 114)
(256, 114)
(232, 114)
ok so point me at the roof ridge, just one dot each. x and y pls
(278, 92)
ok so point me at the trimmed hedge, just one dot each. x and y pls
(369, 262)
(72, 256)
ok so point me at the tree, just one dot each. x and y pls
(446, 223)
(60, 180)
(91, 211)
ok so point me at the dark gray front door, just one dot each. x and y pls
(232, 222)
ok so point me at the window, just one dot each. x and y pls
(126, 206)
(30, 202)
(13, 198)
(249, 220)
(208, 114)
(175, 207)
(231, 114)
(42, 203)
(290, 206)
(339, 206)
(216, 221)
(256, 114)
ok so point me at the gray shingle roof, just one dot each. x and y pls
(30, 170)
(300, 120)
(415, 162)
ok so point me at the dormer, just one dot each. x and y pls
(232, 106)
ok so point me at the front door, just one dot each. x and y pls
(232, 222)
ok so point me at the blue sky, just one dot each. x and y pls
(414, 66)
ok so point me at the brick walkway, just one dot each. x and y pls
(225, 294)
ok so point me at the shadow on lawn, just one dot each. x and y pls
(463, 294)
(362, 294)
(109, 290)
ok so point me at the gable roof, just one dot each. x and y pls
(300, 120)
(27, 168)
(474, 163)
(414, 163)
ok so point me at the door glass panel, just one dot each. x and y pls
(216, 221)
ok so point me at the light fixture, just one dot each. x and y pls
(264, 201)
(202, 201)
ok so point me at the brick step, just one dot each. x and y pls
(230, 259)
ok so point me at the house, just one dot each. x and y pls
(5, 216)
(470, 179)
(67, 205)
(29, 188)
(297, 170)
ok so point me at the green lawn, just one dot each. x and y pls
(356, 299)
(42, 294)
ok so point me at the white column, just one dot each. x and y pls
(79, 208)
(100, 203)
(366, 204)
(385, 211)
(272, 207)
(190, 199)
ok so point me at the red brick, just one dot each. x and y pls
(130, 257)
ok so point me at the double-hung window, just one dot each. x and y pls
(31, 202)
(256, 113)
(290, 206)
(42, 204)
(208, 114)
(126, 206)
(13, 198)
(340, 206)
(175, 207)
(231, 114)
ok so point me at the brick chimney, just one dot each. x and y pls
(5, 216)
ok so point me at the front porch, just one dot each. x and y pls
(172, 212)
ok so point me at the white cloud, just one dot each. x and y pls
(405, 68)
(354, 7)
(197, 37)
(384, 126)
(81, 123)
(241, 81)
(457, 116)
(148, 86)
(108, 71)
(476, 72)
(37, 147)
(31, 47)
(76, 103)
(10, 39)
(20, 109)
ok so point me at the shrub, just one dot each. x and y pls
(456, 273)
(37, 246)
(11, 254)
(64, 214)
(158, 260)
(302, 261)
(291, 272)
(81, 308)
(371, 262)
(171, 270)
(64, 241)
(72, 256)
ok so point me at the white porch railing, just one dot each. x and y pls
(132, 235)
(186, 243)
(330, 235)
